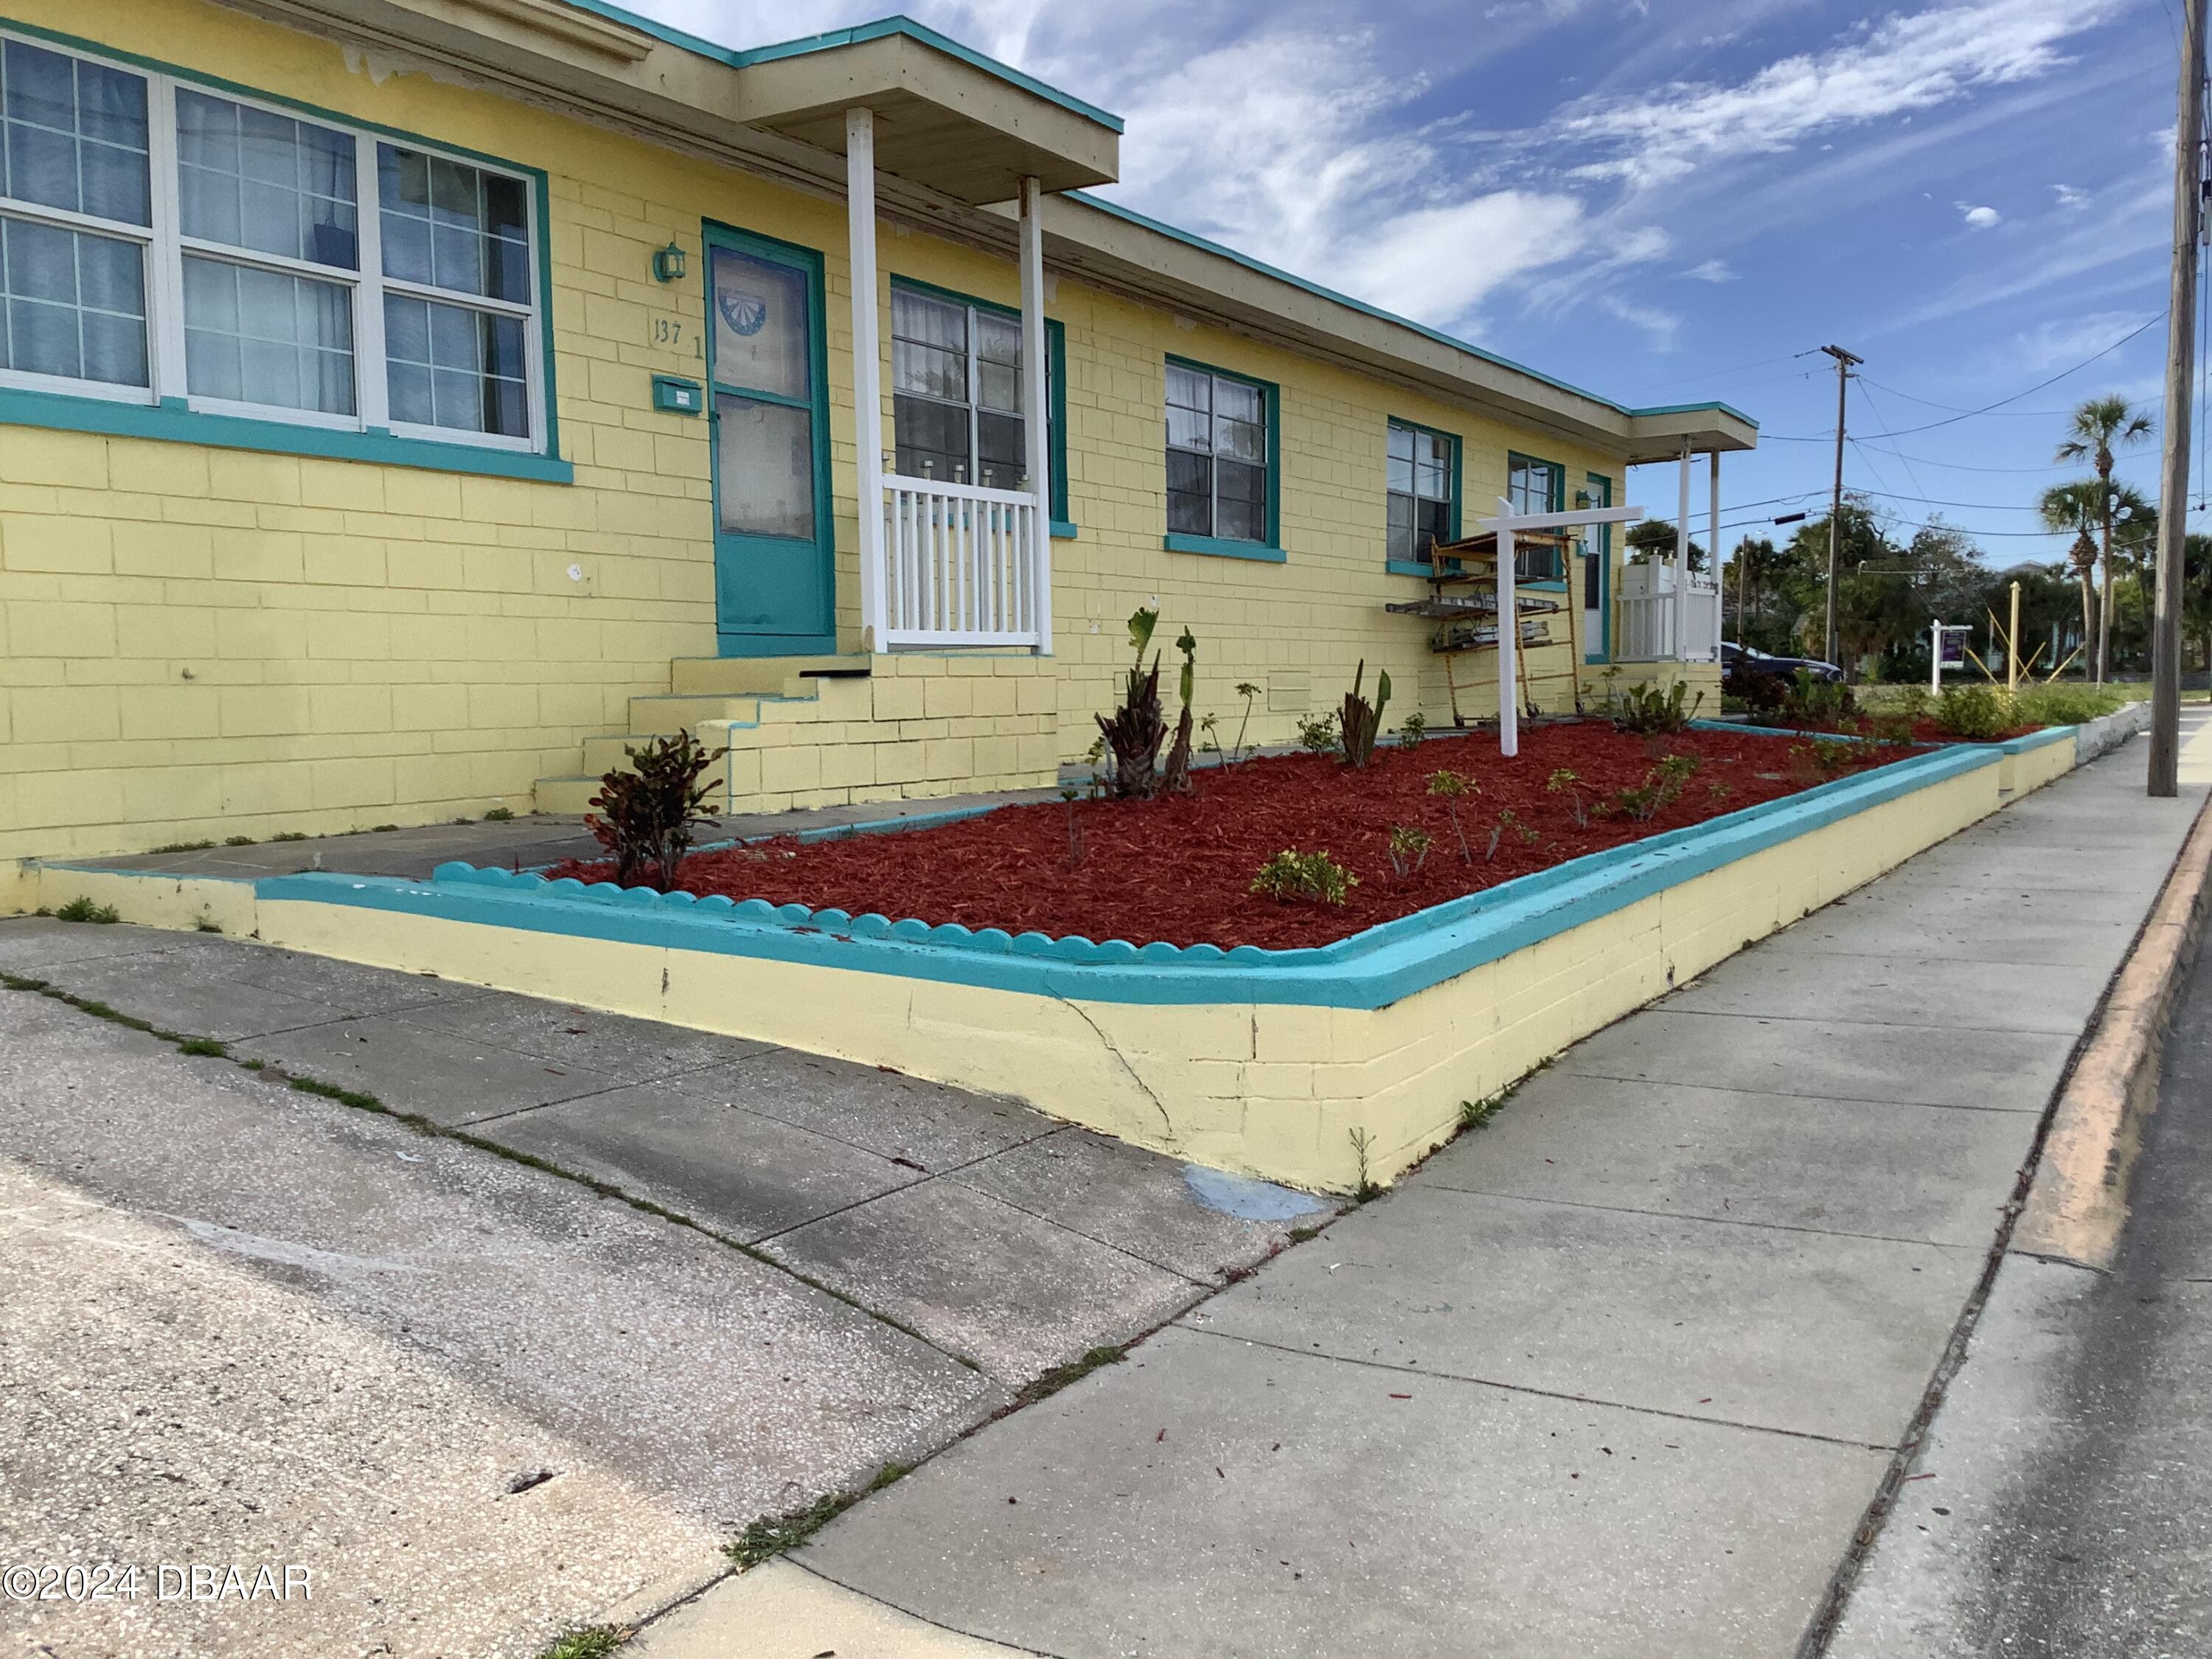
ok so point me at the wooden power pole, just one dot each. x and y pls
(2180, 370)
(1844, 361)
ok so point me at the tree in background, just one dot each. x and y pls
(2096, 427)
(2073, 507)
(1751, 580)
(1654, 538)
(2196, 594)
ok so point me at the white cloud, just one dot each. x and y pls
(2069, 196)
(1979, 218)
(2063, 341)
(1901, 64)
(1712, 271)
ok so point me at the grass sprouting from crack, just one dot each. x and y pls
(1060, 1376)
(585, 1642)
(82, 909)
(772, 1534)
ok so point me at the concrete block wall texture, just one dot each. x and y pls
(198, 642)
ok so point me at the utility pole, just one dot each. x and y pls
(2180, 369)
(1844, 361)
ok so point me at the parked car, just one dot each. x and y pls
(1737, 660)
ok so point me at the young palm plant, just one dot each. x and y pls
(2096, 428)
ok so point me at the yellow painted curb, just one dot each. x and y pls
(779, 1611)
(2079, 1201)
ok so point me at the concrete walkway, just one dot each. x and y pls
(242, 1323)
(1618, 1375)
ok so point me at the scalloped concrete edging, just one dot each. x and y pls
(1317, 1067)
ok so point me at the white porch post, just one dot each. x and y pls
(868, 369)
(1713, 541)
(1681, 604)
(1036, 410)
(1509, 638)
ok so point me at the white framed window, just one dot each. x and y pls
(956, 392)
(161, 241)
(1216, 455)
(1420, 491)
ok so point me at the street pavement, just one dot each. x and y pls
(2062, 1504)
(1617, 1375)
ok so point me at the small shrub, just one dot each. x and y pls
(1367, 1191)
(1247, 690)
(1291, 877)
(238, 841)
(500, 815)
(1661, 787)
(1411, 733)
(1974, 713)
(2067, 705)
(1174, 777)
(1761, 694)
(1507, 820)
(1477, 1113)
(1362, 720)
(647, 813)
(289, 835)
(1818, 761)
(1317, 736)
(1409, 848)
(185, 847)
(1564, 782)
(1647, 711)
(1823, 704)
(82, 909)
(1133, 733)
(1451, 787)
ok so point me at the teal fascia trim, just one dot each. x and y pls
(859, 34)
(1188, 240)
(1698, 409)
(1410, 568)
(1215, 547)
(172, 422)
(1371, 969)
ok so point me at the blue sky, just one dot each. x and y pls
(1664, 200)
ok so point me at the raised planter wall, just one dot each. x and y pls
(1277, 1064)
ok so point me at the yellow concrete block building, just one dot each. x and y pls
(402, 402)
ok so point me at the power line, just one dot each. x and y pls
(1953, 409)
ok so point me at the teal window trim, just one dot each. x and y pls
(1055, 356)
(1217, 547)
(1555, 494)
(171, 421)
(1269, 551)
(1601, 495)
(1458, 449)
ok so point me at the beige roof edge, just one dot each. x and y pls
(1089, 238)
(632, 69)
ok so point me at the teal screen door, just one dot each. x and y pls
(775, 586)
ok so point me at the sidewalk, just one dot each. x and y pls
(1618, 1375)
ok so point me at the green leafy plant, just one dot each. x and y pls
(1415, 728)
(2067, 705)
(1136, 731)
(1508, 820)
(1662, 785)
(1568, 783)
(1367, 1191)
(1208, 744)
(1823, 705)
(648, 813)
(1362, 721)
(1647, 711)
(1075, 839)
(1477, 1113)
(1247, 690)
(289, 835)
(82, 909)
(1409, 848)
(238, 841)
(1317, 736)
(1291, 877)
(1452, 788)
(500, 815)
(1719, 792)
(1174, 777)
(584, 1642)
(1975, 714)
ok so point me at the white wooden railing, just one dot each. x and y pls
(964, 565)
(1647, 617)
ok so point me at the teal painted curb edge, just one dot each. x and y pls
(1371, 969)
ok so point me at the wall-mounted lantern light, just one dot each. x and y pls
(668, 263)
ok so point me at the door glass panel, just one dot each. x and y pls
(765, 458)
(761, 326)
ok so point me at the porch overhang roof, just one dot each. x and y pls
(959, 126)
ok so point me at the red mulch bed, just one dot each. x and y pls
(1181, 868)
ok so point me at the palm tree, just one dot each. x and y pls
(2197, 593)
(2075, 507)
(2095, 427)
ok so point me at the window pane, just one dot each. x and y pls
(1245, 440)
(932, 439)
(1242, 494)
(1401, 443)
(267, 337)
(1234, 400)
(1003, 465)
(75, 304)
(1190, 494)
(1189, 389)
(998, 386)
(762, 325)
(249, 178)
(1432, 523)
(764, 468)
(1401, 536)
(449, 225)
(452, 367)
(926, 320)
(1188, 429)
(929, 372)
(74, 134)
(1399, 480)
